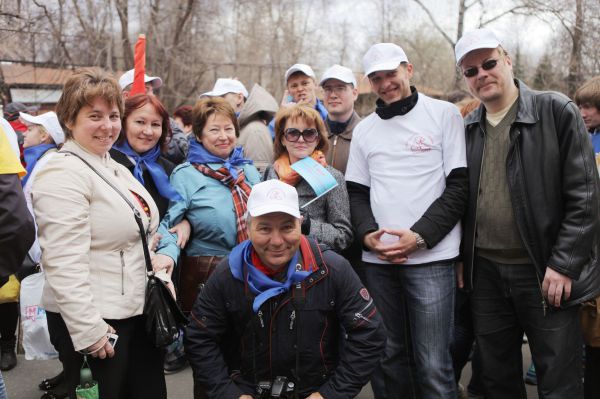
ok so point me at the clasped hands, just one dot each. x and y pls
(393, 251)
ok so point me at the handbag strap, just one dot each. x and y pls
(136, 213)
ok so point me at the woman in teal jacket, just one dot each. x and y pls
(215, 184)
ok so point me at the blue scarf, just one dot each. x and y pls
(262, 286)
(149, 160)
(32, 155)
(199, 155)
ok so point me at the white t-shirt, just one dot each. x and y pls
(405, 161)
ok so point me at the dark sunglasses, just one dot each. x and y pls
(486, 66)
(309, 135)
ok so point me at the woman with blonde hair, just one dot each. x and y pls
(300, 133)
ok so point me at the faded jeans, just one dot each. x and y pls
(416, 303)
(3, 394)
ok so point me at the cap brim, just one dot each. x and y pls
(155, 81)
(383, 66)
(270, 208)
(30, 118)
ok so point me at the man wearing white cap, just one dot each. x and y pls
(339, 86)
(531, 228)
(301, 88)
(270, 318)
(232, 90)
(126, 81)
(407, 181)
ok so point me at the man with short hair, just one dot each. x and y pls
(232, 90)
(340, 93)
(531, 229)
(301, 88)
(587, 99)
(126, 82)
(278, 306)
(407, 181)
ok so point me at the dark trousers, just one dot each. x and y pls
(506, 302)
(592, 373)
(9, 316)
(136, 370)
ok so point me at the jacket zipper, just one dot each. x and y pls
(335, 138)
(537, 276)
(292, 319)
(477, 201)
(260, 318)
(122, 272)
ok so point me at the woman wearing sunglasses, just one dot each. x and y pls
(300, 133)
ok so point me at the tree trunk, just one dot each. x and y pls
(574, 76)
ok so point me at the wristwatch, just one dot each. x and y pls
(421, 244)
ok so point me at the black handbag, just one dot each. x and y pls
(164, 318)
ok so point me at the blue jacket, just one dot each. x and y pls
(208, 206)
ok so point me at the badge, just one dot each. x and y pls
(364, 294)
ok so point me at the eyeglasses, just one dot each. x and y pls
(309, 135)
(334, 89)
(486, 66)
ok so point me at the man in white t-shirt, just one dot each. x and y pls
(407, 181)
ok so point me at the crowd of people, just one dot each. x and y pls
(312, 250)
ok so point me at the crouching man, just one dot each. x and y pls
(278, 307)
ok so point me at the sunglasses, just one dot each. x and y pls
(309, 135)
(486, 66)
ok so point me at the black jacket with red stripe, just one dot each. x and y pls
(328, 333)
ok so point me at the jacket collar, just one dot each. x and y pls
(347, 133)
(526, 109)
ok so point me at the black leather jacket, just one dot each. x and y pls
(553, 184)
(231, 348)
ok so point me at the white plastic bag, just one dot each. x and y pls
(36, 340)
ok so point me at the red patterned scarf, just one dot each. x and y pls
(240, 191)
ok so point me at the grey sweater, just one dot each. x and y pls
(329, 215)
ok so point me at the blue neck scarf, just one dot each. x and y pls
(199, 155)
(262, 286)
(32, 155)
(149, 159)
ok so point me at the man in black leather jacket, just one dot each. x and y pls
(281, 305)
(531, 229)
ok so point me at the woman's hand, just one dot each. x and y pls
(183, 230)
(162, 262)
(102, 348)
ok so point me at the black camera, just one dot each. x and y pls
(279, 388)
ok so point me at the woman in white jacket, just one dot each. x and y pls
(91, 248)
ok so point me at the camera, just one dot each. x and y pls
(281, 387)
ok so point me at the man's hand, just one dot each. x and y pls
(183, 230)
(245, 397)
(459, 269)
(395, 251)
(554, 285)
(315, 395)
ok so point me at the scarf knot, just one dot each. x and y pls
(198, 154)
(284, 170)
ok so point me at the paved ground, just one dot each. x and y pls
(22, 381)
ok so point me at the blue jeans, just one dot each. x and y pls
(416, 303)
(3, 394)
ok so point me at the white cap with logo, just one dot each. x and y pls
(273, 196)
(383, 57)
(127, 78)
(305, 69)
(475, 40)
(50, 122)
(340, 73)
(224, 86)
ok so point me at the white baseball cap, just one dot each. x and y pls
(224, 86)
(340, 73)
(383, 57)
(50, 122)
(475, 40)
(273, 196)
(127, 78)
(305, 69)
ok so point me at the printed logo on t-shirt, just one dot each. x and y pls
(419, 143)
